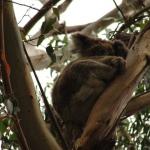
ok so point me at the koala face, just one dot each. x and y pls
(87, 46)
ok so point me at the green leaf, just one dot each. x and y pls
(50, 52)
(40, 40)
(1, 99)
(13, 137)
(7, 121)
(48, 25)
(3, 127)
(65, 39)
(56, 12)
(55, 1)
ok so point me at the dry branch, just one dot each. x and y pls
(30, 117)
(61, 8)
(64, 6)
(110, 105)
(37, 17)
(100, 24)
(127, 9)
(39, 57)
(136, 104)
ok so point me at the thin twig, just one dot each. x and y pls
(24, 15)
(49, 109)
(121, 12)
(132, 19)
(22, 5)
(22, 136)
(38, 16)
(112, 36)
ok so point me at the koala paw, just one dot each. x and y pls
(119, 63)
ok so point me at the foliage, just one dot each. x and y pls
(132, 133)
(8, 132)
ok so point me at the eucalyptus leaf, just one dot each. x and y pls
(13, 137)
(3, 127)
(55, 1)
(51, 54)
(9, 105)
(56, 12)
(47, 25)
(40, 40)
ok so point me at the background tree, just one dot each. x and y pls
(22, 124)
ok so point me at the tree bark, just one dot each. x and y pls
(31, 121)
(136, 104)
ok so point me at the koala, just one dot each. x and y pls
(86, 46)
(83, 80)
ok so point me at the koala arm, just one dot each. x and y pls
(83, 80)
(78, 87)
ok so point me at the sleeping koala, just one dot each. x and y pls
(83, 80)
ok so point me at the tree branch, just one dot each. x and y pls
(64, 6)
(31, 120)
(103, 22)
(42, 60)
(59, 28)
(133, 19)
(110, 105)
(38, 16)
(136, 104)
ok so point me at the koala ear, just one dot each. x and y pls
(120, 49)
(82, 41)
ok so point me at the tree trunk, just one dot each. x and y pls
(36, 133)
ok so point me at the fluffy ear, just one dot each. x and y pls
(81, 41)
(120, 49)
